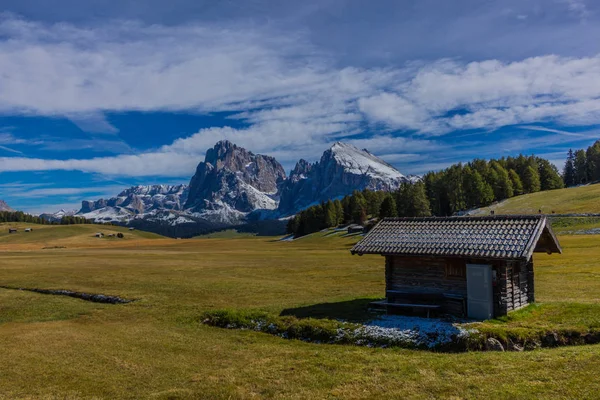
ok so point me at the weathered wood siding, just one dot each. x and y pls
(422, 275)
(426, 275)
(513, 285)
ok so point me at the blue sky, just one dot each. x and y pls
(98, 96)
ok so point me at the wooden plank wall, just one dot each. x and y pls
(422, 275)
(513, 288)
(519, 285)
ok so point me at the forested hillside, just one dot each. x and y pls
(457, 188)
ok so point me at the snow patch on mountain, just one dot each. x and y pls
(361, 162)
(233, 186)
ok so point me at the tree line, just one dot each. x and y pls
(582, 166)
(410, 200)
(20, 216)
(457, 188)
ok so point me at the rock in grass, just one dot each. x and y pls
(492, 344)
(514, 346)
(551, 339)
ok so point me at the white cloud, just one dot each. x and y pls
(148, 164)
(294, 98)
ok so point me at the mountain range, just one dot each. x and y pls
(235, 187)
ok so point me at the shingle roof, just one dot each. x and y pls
(500, 237)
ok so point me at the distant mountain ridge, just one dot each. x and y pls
(234, 186)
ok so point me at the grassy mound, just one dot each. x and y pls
(60, 236)
(337, 332)
(536, 326)
(582, 199)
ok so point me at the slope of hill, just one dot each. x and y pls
(67, 235)
(576, 200)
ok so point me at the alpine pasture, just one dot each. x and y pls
(157, 346)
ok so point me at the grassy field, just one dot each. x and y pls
(156, 347)
(583, 199)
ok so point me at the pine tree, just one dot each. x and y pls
(478, 193)
(420, 202)
(549, 177)
(531, 180)
(330, 215)
(569, 170)
(593, 162)
(339, 211)
(388, 207)
(358, 208)
(517, 184)
(581, 167)
(502, 186)
(453, 182)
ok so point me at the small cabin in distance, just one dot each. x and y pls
(476, 267)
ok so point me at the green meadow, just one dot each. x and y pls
(56, 347)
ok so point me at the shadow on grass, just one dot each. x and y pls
(352, 310)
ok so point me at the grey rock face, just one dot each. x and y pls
(234, 186)
(492, 344)
(142, 199)
(233, 178)
(4, 206)
(341, 170)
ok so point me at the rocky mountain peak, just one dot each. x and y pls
(4, 206)
(301, 170)
(342, 169)
(234, 177)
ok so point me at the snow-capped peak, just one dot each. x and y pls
(361, 162)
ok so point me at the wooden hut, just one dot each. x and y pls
(480, 267)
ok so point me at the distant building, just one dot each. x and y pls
(480, 267)
(356, 229)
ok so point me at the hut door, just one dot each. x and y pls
(479, 291)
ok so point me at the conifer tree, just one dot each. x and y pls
(478, 192)
(569, 170)
(593, 162)
(517, 184)
(531, 180)
(339, 211)
(358, 208)
(502, 186)
(330, 214)
(581, 167)
(549, 177)
(388, 207)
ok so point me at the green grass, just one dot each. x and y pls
(65, 235)
(156, 347)
(583, 199)
(226, 234)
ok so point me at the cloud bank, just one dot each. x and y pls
(293, 98)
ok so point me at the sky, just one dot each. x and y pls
(97, 96)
